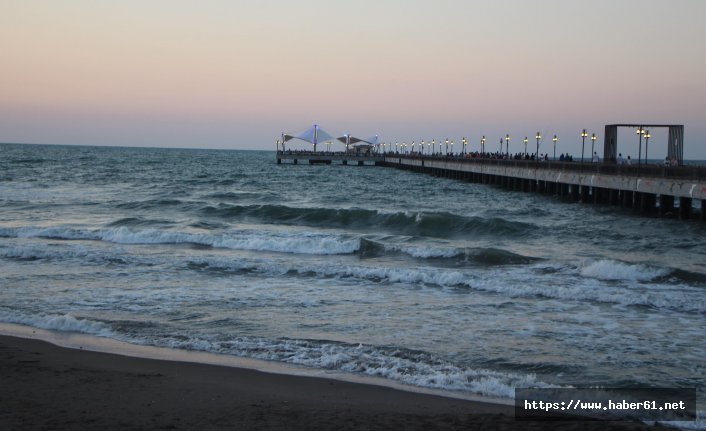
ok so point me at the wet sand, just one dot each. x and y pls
(43, 386)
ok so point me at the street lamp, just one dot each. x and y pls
(647, 141)
(277, 142)
(583, 142)
(447, 146)
(464, 144)
(482, 146)
(554, 139)
(525, 141)
(593, 142)
(640, 132)
(412, 146)
(433, 146)
(537, 137)
(507, 145)
(422, 146)
(452, 148)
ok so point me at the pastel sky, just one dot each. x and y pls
(234, 74)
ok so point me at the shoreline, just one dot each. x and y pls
(49, 386)
(95, 343)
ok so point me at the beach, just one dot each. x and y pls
(49, 387)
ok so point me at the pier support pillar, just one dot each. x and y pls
(597, 193)
(613, 197)
(279, 161)
(627, 198)
(585, 198)
(296, 161)
(344, 162)
(361, 163)
(684, 208)
(647, 201)
(666, 205)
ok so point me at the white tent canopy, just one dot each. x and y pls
(315, 135)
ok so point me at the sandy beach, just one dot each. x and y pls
(49, 387)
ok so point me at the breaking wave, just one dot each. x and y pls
(56, 322)
(430, 224)
(285, 242)
(519, 282)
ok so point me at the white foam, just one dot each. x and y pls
(615, 270)
(516, 282)
(417, 369)
(425, 252)
(284, 242)
(56, 322)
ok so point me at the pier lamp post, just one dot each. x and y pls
(525, 141)
(507, 145)
(537, 137)
(554, 139)
(433, 146)
(277, 142)
(482, 146)
(452, 148)
(422, 146)
(412, 146)
(640, 132)
(447, 146)
(593, 144)
(500, 151)
(583, 143)
(464, 141)
(647, 141)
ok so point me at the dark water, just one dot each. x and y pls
(369, 270)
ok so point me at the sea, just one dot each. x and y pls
(361, 270)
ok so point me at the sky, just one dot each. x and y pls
(235, 74)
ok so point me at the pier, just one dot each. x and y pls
(678, 191)
(655, 190)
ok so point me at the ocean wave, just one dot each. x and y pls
(520, 281)
(607, 269)
(138, 221)
(56, 322)
(431, 224)
(43, 252)
(150, 204)
(483, 256)
(284, 242)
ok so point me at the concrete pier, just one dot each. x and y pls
(651, 190)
